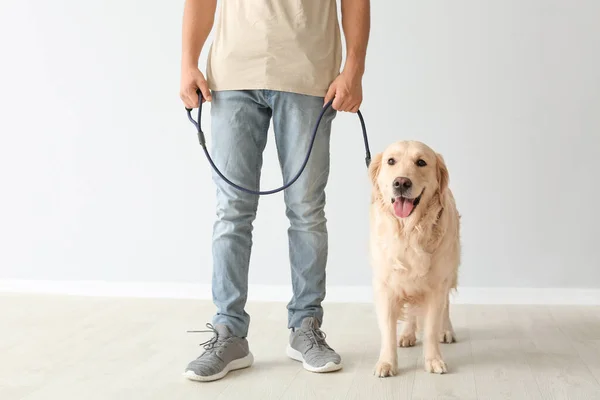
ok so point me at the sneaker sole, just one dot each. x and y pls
(240, 363)
(296, 355)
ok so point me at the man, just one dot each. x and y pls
(273, 60)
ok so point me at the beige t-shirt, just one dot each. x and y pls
(285, 45)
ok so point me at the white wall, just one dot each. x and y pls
(102, 177)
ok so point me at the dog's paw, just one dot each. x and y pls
(447, 337)
(435, 366)
(407, 340)
(384, 369)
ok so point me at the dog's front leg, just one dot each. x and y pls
(435, 303)
(387, 314)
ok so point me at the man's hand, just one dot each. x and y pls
(191, 80)
(346, 92)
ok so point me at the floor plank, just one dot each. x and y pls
(367, 386)
(502, 371)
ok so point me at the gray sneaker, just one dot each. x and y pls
(223, 353)
(307, 345)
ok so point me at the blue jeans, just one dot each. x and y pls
(240, 121)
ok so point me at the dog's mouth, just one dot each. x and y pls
(404, 207)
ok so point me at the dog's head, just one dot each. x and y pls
(407, 174)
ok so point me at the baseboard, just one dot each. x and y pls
(335, 294)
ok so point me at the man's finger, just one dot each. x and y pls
(184, 99)
(187, 99)
(330, 94)
(338, 102)
(188, 103)
(351, 104)
(191, 93)
(345, 104)
(203, 86)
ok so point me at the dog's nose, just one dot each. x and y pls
(402, 184)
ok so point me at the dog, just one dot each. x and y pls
(415, 251)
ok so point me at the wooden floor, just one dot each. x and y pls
(65, 348)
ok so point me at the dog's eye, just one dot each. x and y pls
(421, 163)
(391, 161)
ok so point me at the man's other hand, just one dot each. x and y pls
(191, 80)
(346, 92)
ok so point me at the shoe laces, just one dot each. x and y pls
(214, 342)
(316, 337)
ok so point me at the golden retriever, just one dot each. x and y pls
(415, 251)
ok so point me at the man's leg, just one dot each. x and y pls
(240, 122)
(294, 117)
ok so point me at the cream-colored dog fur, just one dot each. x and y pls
(415, 257)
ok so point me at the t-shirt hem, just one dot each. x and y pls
(287, 89)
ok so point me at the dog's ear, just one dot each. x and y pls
(374, 168)
(442, 174)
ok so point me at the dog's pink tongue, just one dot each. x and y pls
(403, 207)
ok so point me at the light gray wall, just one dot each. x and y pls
(102, 177)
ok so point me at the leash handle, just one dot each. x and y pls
(202, 140)
(201, 137)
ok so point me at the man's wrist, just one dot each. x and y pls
(186, 66)
(354, 66)
(189, 61)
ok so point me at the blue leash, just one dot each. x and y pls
(202, 140)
